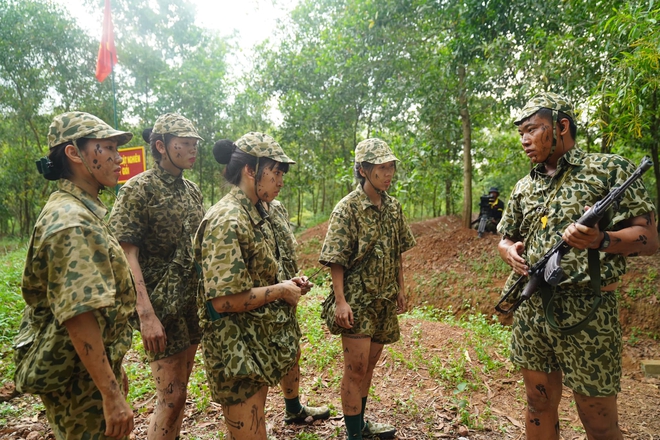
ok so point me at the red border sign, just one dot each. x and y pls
(133, 164)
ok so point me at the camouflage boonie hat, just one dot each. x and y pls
(374, 151)
(176, 125)
(547, 100)
(70, 126)
(261, 145)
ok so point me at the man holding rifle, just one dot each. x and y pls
(543, 209)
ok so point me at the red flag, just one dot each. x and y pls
(107, 51)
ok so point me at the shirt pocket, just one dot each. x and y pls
(166, 218)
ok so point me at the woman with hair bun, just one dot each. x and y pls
(78, 290)
(154, 218)
(251, 335)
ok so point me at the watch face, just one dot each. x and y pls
(606, 241)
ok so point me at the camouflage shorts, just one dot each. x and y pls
(182, 331)
(241, 357)
(378, 320)
(77, 412)
(590, 360)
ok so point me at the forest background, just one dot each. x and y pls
(439, 80)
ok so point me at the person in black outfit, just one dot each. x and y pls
(496, 206)
(490, 211)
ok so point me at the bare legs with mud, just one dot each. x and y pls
(599, 415)
(360, 358)
(290, 383)
(171, 376)
(247, 420)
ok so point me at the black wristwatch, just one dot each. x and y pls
(605, 243)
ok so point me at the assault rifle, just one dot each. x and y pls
(548, 268)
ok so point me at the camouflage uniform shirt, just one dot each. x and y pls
(285, 241)
(159, 213)
(244, 351)
(581, 180)
(74, 265)
(368, 243)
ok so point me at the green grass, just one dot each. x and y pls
(322, 352)
(141, 384)
(12, 259)
(452, 368)
(25, 410)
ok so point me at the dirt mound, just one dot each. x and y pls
(435, 225)
(452, 266)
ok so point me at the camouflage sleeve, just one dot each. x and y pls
(285, 234)
(512, 216)
(79, 271)
(280, 210)
(340, 240)
(636, 201)
(222, 259)
(129, 219)
(407, 237)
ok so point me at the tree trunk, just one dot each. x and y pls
(213, 182)
(467, 148)
(605, 121)
(299, 207)
(323, 181)
(448, 197)
(201, 169)
(655, 145)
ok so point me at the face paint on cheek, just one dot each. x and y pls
(98, 149)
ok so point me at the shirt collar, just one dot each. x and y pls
(165, 176)
(255, 216)
(573, 157)
(365, 201)
(93, 204)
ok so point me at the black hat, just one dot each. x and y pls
(494, 189)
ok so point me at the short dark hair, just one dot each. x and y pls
(367, 167)
(546, 113)
(60, 162)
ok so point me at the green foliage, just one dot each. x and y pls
(439, 81)
(139, 375)
(312, 327)
(44, 57)
(12, 258)
(27, 410)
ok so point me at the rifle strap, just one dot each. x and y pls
(548, 298)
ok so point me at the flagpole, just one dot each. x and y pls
(114, 95)
(114, 106)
